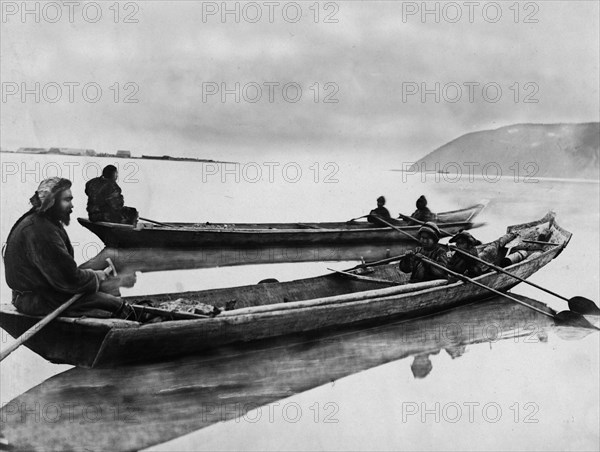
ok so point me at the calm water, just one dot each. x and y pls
(547, 392)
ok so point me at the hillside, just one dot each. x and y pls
(540, 150)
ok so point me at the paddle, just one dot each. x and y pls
(565, 317)
(419, 222)
(400, 230)
(577, 304)
(365, 278)
(46, 320)
(157, 222)
(379, 262)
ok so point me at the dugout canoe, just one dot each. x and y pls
(258, 235)
(173, 398)
(277, 309)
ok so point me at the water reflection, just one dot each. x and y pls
(137, 406)
(159, 259)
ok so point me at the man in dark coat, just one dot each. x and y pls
(380, 211)
(39, 264)
(460, 263)
(105, 201)
(429, 235)
(423, 213)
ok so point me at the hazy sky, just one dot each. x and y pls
(374, 57)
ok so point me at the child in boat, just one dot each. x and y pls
(380, 211)
(429, 236)
(460, 263)
(423, 213)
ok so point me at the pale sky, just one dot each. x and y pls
(368, 57)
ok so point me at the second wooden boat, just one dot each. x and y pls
(260, 235)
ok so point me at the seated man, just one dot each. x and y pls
(39, 264)
(429, 235)
(423, 213)
(105, 201)
(460, 263)
(380, 211)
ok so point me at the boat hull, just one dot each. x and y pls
(261, 235)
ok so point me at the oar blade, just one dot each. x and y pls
(584, 306)
(571, 318)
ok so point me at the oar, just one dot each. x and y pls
(562, 317)
(46, 320)
(357, 218)
(157, 222)
(365, 278)
(578, 304)
(419, 222)
(379, 262)
(398, 229)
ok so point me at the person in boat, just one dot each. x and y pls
(39, 264)
(429, 236)
(423, 213)
(105, 199)
(460, 263)
(380, 211)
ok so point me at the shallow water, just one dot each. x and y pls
(547, 392)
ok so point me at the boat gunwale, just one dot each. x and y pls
(128, 325)
(267, 229)
(350, 303)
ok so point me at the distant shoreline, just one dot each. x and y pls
(166, 158)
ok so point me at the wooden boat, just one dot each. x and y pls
(173, 398)
(277, 309)
(259, 235)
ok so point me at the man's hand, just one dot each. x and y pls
(101, 275)
(112, 285)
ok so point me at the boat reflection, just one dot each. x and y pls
(159, 259)
(138, 406)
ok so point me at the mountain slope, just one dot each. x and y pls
(535, 150)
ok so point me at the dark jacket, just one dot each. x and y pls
(39, 264)
(380, 212)
(106, 203)
(422, 271)
(424, 215)
(465, 266)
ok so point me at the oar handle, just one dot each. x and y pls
(397, 229)
(46, 320)
(357, 218)
(38, 326)
(419, 222)
(483, 286)
(501, 270)
(379, 262)
(157, 222)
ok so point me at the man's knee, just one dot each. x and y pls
(98, 300)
